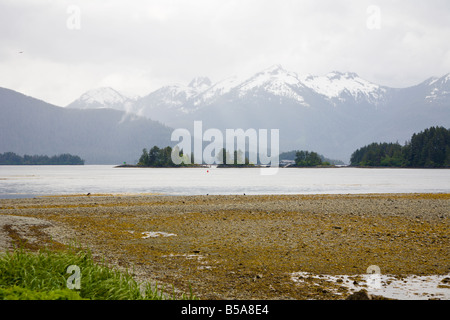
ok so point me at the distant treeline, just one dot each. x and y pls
(427, 149)
(10, 158)
(293, 155)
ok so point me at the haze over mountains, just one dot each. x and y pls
(332, 114)
(99, 136)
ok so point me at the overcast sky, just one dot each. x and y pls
(55, 49)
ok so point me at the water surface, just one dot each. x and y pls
(30, 181)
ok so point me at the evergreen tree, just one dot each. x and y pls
(158, 157)
(154, 157)
(143, 160)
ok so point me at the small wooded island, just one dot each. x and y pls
(159, 158)
(10, 158)
(162, 158)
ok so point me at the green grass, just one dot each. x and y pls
(18, 293)
(43, 275)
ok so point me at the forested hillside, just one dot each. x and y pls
(427, 149)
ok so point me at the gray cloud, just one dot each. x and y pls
(138, 46)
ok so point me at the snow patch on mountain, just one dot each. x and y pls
(217, 90)
(171, 99)
(200, 84)
(274, 80)
(337, 85)
(178, 94)
(438, 89)
(174, 95)
(432, 81)
(104, 97)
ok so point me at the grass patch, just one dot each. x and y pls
(18, 293)
(43, 275)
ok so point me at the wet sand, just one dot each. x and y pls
(245, 247)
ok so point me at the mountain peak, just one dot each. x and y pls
(200, 82)
(274, 69)
(102, 97)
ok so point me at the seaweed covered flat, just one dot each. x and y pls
(246, 247)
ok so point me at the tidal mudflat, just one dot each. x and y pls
(251, 247)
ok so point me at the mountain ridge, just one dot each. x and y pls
(336, 87)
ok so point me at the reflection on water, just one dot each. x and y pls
(28, 181)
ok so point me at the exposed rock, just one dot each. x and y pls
(360, 295)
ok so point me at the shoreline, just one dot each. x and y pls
(140, 194)
(280, 167)
(248, 247)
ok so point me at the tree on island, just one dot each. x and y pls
(308, 159)
(430, 148)
(162, 158)
(237, 160)
(156, 157)
(291, 155)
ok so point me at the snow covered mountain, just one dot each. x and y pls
(275, 81)
(335, 87)
(274, 86)
(169, 100)
(104, 97)
(333, 114)
(339, 87)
